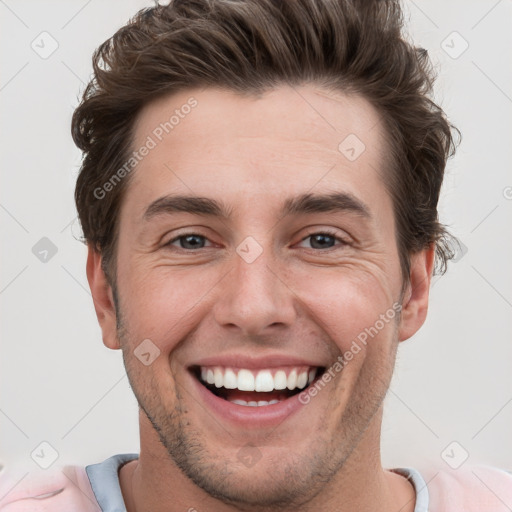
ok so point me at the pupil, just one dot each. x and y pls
(322, 241)
(192, 240)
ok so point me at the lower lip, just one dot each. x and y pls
(247, 416)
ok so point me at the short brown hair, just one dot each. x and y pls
(250, 46)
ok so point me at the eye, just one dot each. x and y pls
(324, 240)
(189, 241)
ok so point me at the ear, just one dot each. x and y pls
(415, 302)
(103, 298)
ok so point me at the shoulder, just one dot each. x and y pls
(477, 488)
(63, 489)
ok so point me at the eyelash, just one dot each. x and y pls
(323, 232)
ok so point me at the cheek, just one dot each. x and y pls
(163, 304)
(350, 306)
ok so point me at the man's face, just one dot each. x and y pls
(260, 294)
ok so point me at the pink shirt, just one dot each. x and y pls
(95, 488)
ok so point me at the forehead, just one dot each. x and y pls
(286, 141)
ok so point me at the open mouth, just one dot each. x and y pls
(256, 388)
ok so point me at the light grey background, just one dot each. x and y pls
(60, 385)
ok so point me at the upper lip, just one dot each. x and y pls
(254, 363)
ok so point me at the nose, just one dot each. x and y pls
(255, 297)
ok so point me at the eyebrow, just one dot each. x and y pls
(299, 205)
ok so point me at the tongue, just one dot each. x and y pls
(248, 396)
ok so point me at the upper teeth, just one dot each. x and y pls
(261, 380)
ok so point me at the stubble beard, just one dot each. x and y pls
(283, 484)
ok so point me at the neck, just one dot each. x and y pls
(154, 482)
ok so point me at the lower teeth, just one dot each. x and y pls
(253, 403)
